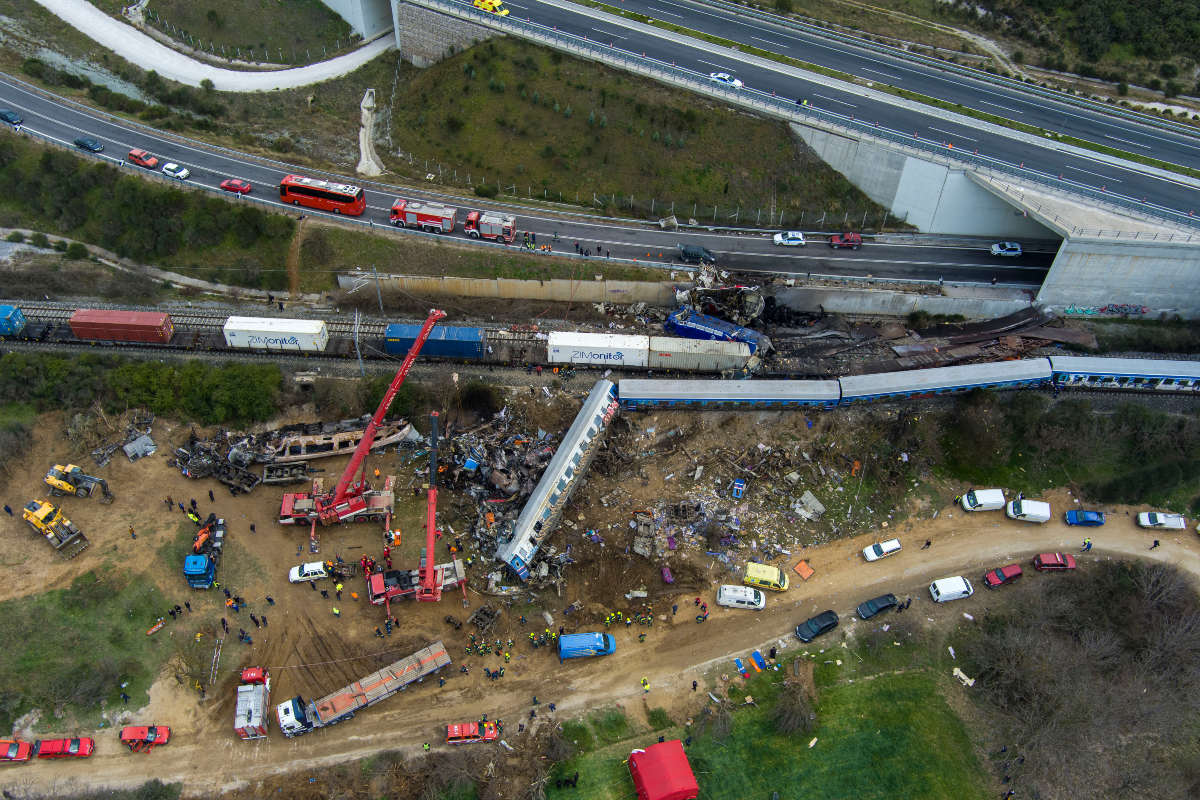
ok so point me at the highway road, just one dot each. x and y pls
(753, 252)
(1057, 117)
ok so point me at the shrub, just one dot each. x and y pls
(39, 239)
(16, 237)
(77, 251)
(455, 123)
(1018, 57)
(1168, 70)
(1122, 88)
(283, 144)
(783, 6)
(1154, 84)
(1172, 89)
(486, 190)
(34, 68)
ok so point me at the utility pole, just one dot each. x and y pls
(377, 293)
(361, 368)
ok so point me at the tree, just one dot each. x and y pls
(792, 711)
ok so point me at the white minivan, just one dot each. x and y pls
(741, 597)
(948, 589)
(983, 500)
(1028, 510)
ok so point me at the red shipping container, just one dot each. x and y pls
(122, 326)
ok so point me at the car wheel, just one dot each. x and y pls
(337, 211)
(854, 248)
(295, 202)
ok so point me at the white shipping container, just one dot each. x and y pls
(261, 333)
(667, 352)
(600, 349)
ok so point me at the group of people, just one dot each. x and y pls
(645, 618)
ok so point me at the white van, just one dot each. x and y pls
(948, 589)
(881, 550)
(983, 500)
(741, 597)
(1028, 510)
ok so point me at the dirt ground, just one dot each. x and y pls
(311, 652)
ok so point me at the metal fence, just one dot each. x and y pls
(791, 110)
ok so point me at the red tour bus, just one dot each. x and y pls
(340, 198)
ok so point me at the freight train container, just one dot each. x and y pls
(432, 217)
(122, 326)
(443, 341)
(260, 333)
(696, 354)
(12, 321)
(599, 349)
(691, 325)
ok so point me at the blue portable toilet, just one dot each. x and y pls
(739, 487)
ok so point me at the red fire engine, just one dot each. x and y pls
(253, 701)
(490, 225)
(431, 217)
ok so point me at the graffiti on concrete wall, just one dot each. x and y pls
(1111, 308)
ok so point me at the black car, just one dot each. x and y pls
(89, 144)
(877, 606)
(825, 621)
(695, 254)
(11, 117)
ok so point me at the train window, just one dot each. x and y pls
(670, 404)
(1167, 382)
(553, 500)
(1122, 381)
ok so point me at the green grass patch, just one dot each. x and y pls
(610, 725)
(16, 415)
(579, 733)
(659, 720)
(1143, 335)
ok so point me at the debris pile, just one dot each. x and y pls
(95, 432)
(204, 458)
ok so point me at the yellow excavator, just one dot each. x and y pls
(72, 480)
(62, 534)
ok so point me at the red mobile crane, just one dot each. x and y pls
(430, 588)
(356, 501)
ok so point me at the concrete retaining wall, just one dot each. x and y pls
(424, 37)
(367, 17)
(1092, 274)
(658, 294)
(892, 303)
(931, 196)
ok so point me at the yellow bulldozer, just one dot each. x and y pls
(72, 480)
(62, 534)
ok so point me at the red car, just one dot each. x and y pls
(64, 748)
(999, 577)
(1053, 562)
(12, 751)
(236, 185)
(851, 240)
(142, 159)
(143, 740)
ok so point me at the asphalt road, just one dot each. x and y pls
(1057, 117)
(65, 122)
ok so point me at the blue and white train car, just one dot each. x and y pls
(1126, 373)
(641, 395)
(545, 506)
(945, 380)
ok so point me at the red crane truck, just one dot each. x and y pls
(253, 699)
(431, 217)
(490, 225)
(356, 501)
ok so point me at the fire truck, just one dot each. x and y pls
(253, 701)
(491, 225)
(431, 217)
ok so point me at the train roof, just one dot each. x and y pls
(312, 326)
(610, 340)
(740, 391)
(940, 378)
(1126, 367)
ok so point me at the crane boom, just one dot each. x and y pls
(430, 590)
(364, 446)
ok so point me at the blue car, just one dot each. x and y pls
(1091, 519)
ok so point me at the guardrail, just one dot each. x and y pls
(785, 108)
(995, 80)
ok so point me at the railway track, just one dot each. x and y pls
(207, 321)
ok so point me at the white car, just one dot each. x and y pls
(312, 571)
(881, 550)
(789, 239)
(1006, 249)
(725, 79)
(1156, 519)
(172, 170)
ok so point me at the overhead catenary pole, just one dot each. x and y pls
(377, 292)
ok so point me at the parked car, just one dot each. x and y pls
(13, 751)
(144, 739)
(312, 571)
(89, 144)
(1053, 562)
(877, 606)
(789, 239)
(1028, 511)
(142, 159)
(80, 747)
(881, 550)
(947, 589)
(983, 500)
(1091, 519)
(1157, 519)
(1006, 249)
(725, 79)
(999, 577)
(740, 597)
(236, 185)
(173, 170)
(695, 254)
(851, 240)
(11, 117)
(822, 623)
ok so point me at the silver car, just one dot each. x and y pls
(1006, 249)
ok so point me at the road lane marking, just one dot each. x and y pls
(1126, 141)
(1006, 108)
(718, 66)
(1097, 174)
(668, 13)
(768, 41)
(607, 33)
(830, 99)
(884, 74)
(948, 133)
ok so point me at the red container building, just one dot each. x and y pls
(122, 326)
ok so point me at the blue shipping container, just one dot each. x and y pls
(12, 321)
(690, 325)
(443, 342)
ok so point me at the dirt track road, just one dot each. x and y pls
(206, 756)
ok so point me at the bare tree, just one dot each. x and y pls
(792, 711)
